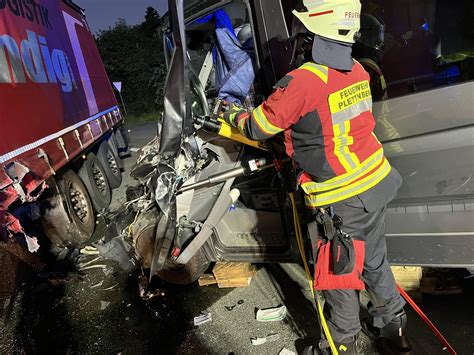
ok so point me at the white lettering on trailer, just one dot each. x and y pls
(33, 57)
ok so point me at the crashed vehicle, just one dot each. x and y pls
(210, 194)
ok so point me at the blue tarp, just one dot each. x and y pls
(234, 68)
(220, 19)
(232, 61)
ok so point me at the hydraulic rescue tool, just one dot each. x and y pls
(248, 167)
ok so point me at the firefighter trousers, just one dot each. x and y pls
(342, 306)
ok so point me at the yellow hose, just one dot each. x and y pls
(300, 242)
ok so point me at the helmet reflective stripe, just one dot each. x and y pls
(334, 19)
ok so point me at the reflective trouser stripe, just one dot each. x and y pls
(366, 166)
(320, 71)
(327, 198)
(263, 124)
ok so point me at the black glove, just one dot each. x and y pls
(232, 113)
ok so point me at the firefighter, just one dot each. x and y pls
(324, 111)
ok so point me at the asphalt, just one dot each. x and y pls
(61, 311)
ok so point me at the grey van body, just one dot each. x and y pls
(425, 121)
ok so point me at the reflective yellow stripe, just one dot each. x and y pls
(345, 105)
(345, 179)
(342, 141)
(320, 70)
(263, 123)
(317, 200)
(241, 124)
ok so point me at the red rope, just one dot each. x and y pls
(423, 316)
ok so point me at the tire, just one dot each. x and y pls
(68, 218)
(94, 177)
(187, 274)
(111, 163)
(113, 144)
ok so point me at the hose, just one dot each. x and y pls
(430, 324)
(316, 297)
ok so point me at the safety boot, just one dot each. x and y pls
(348, 348)
(394, 335)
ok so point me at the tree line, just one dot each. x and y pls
(134, 56)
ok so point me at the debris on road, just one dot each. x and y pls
(104, 305)
(269, 338)
(203, 318)
(271, 314)
(89, 250)
(82, 265)
(144, 291)
(108, 270)
(286, 351)
(230, 308)
(98, 284)
(118, 249)
(143, 286)
(110, 288)
(99, 266)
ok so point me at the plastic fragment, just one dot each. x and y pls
(97, 285)
(230, 308)
(271, 314)
(108, 270)
(32, 243)
(203, 318)
(286, 351)
(104, 305)
(110, 288)
(89, 250)
(269, 338)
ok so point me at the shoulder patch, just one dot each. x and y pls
(283, 82)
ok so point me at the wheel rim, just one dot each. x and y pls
(79, 203)
(99, 180)
(112, 163)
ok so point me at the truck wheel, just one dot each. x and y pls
(68, 217)
(185, 274)
(111, 164)
(113, 144)
(93, 175)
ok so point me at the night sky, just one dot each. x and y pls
(101, 14)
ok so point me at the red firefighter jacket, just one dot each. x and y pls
(327, 122)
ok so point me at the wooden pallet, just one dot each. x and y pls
(409, 278)
(227, 274)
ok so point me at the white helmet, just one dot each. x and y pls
(338, 20)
